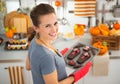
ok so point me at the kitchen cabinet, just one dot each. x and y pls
(111, 78)
(13, 58)
(5, 79)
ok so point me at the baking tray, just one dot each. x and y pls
(81, 58)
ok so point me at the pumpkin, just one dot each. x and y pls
(116, 25)
(102, 46)
(103, 49)
(79, 29)
(9, 19)
(9, 34)
(57, 3)
(94, 31)
(104, 27)
(97, 44)
(103, 31)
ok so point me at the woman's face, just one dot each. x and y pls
(48, 27)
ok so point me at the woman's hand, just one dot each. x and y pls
(81, 72)
(27, 64)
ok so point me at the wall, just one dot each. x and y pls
(14, 5)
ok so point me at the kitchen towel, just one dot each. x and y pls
(101, 65)
(84, 8)
(15, 74)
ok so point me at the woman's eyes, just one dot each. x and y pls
(56, 23)
(49, 25)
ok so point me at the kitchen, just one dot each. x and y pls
(17, 58)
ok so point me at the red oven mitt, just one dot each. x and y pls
(64, 51)
(81, 72)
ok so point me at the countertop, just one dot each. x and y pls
(60, 43)
(11, 55)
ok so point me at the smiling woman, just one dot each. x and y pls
(45, 61)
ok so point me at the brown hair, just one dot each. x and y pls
(39, 10)
(36, 12)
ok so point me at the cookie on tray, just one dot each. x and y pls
(83, 57)
(73, 53)
(86, 48)
(71, 63)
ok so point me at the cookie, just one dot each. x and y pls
(73, 53)
(86, 48)
(84, 57)
(71, 63)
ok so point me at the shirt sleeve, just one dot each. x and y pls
(47, 64)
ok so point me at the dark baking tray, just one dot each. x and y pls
(92, 51)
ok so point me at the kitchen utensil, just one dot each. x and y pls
(116, 9)
(58, 15)
(96, 14)
(35, 2)
(103, 13)
(57, 3)
(20, 10)
(89, 21)
(64, 20)
(79, 52)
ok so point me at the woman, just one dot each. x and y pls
(46, 63)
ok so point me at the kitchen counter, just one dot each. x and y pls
(60, 43)
(11, 55)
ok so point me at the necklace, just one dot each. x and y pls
(50, 47)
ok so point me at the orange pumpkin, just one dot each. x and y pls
(94, 31)
(9, 19)
(57, 3)
(97, 44)
(116, 26)
(79, 29)
(103, 50)
(102, 46)
(104, 27)
(103, 30)
(9, 34)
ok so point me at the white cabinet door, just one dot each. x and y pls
(113, 76)
(4, 76)
(4, 73)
